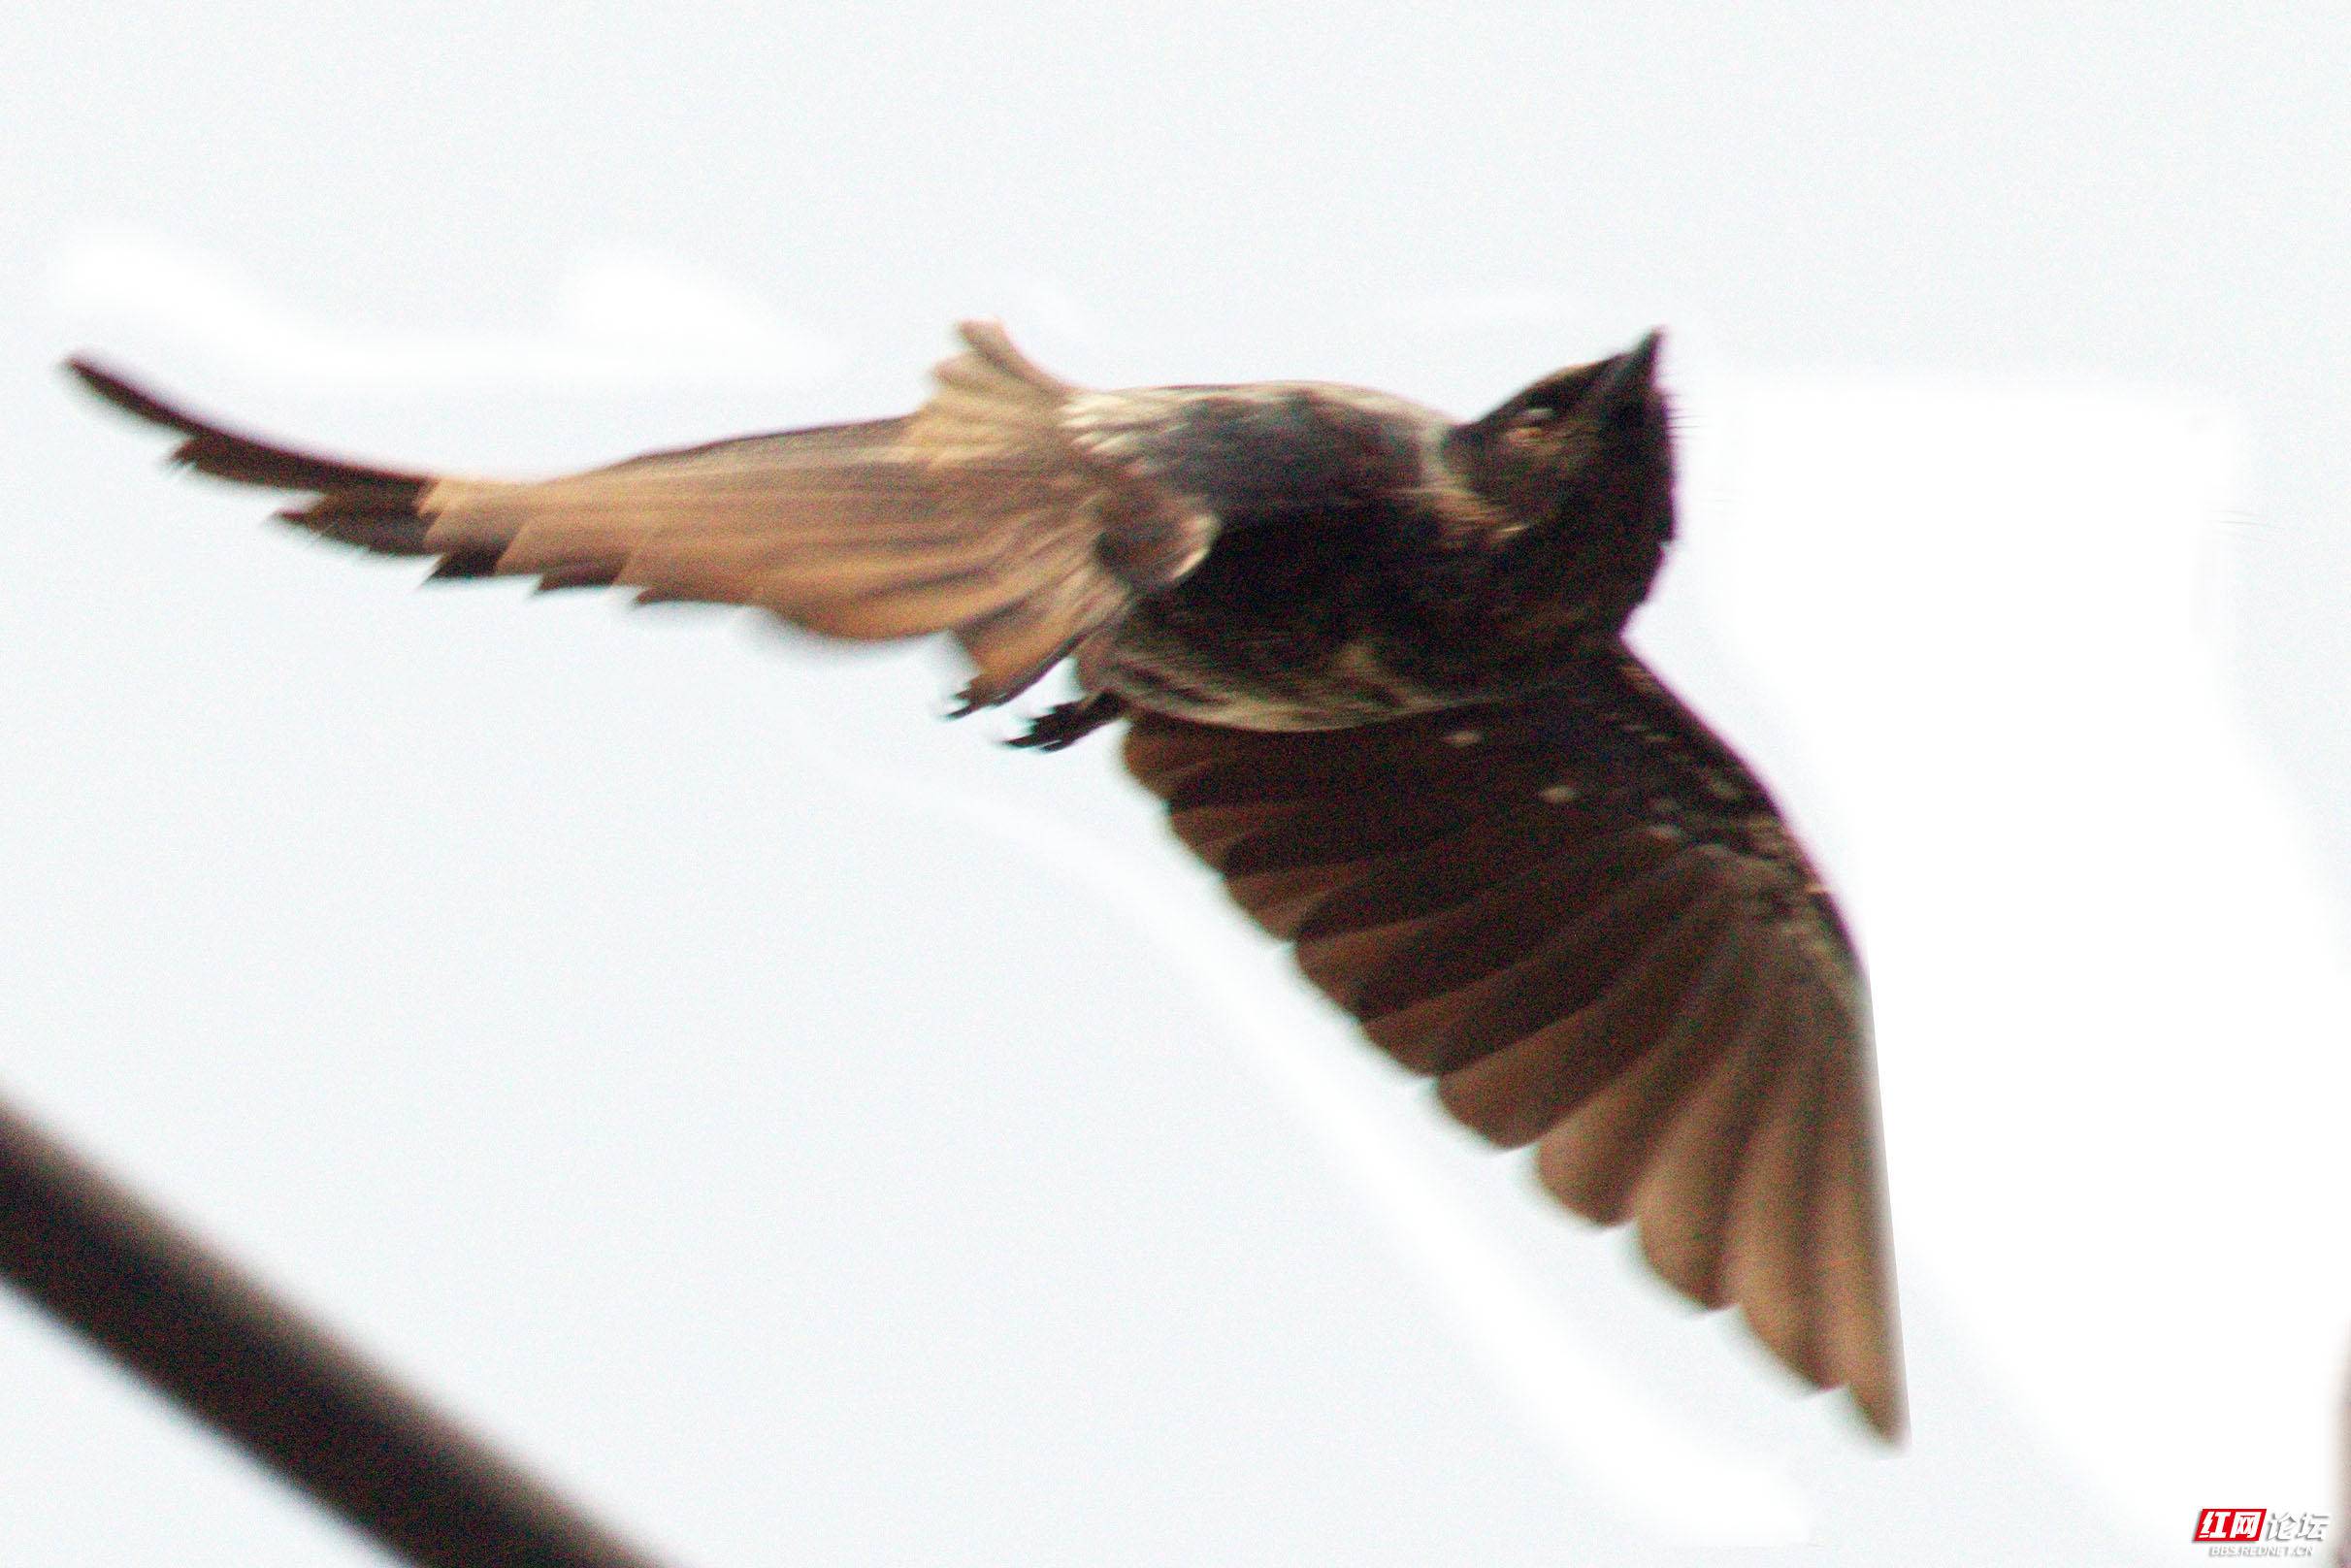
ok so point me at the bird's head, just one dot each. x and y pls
(1594, 437)
(1577, 475)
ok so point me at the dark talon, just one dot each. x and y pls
(1068, 723)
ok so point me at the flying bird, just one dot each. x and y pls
(1373, 659)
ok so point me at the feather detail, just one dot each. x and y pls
(1583, 916)
(980, 516)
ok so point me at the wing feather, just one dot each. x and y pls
(1683, 1208)
(1517, 1094)
(1596, 1155)
(983, 515)
(1585, 918)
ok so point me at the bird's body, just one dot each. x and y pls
(1336, 584)
(1374, 662)
(1356, 574)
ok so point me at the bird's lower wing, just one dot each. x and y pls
(979, 516)
(1585, 917)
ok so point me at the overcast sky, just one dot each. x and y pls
(812, 1132)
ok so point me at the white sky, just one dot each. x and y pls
(811, 1133)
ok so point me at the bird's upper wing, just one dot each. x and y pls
(1585, 917)
(986, 513)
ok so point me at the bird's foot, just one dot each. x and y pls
(1068, 723)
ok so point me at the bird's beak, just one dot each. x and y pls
(1627, 376)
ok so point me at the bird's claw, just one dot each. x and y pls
(1067, 723)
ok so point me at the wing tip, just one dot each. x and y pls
(986, 341)
(985, 334)
(214, 449)
(1886, 1414)
(118, 391)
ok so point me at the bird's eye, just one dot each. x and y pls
(1530, 424)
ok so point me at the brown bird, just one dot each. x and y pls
(1373, 661)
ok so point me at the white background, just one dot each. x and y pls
(813, 1133)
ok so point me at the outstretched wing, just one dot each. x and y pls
(984, 514)
(1585, 919)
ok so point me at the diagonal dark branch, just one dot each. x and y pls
(250, 1367)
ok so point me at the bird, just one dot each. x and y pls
(1374, 662)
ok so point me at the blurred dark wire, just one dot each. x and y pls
(250, 1367)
